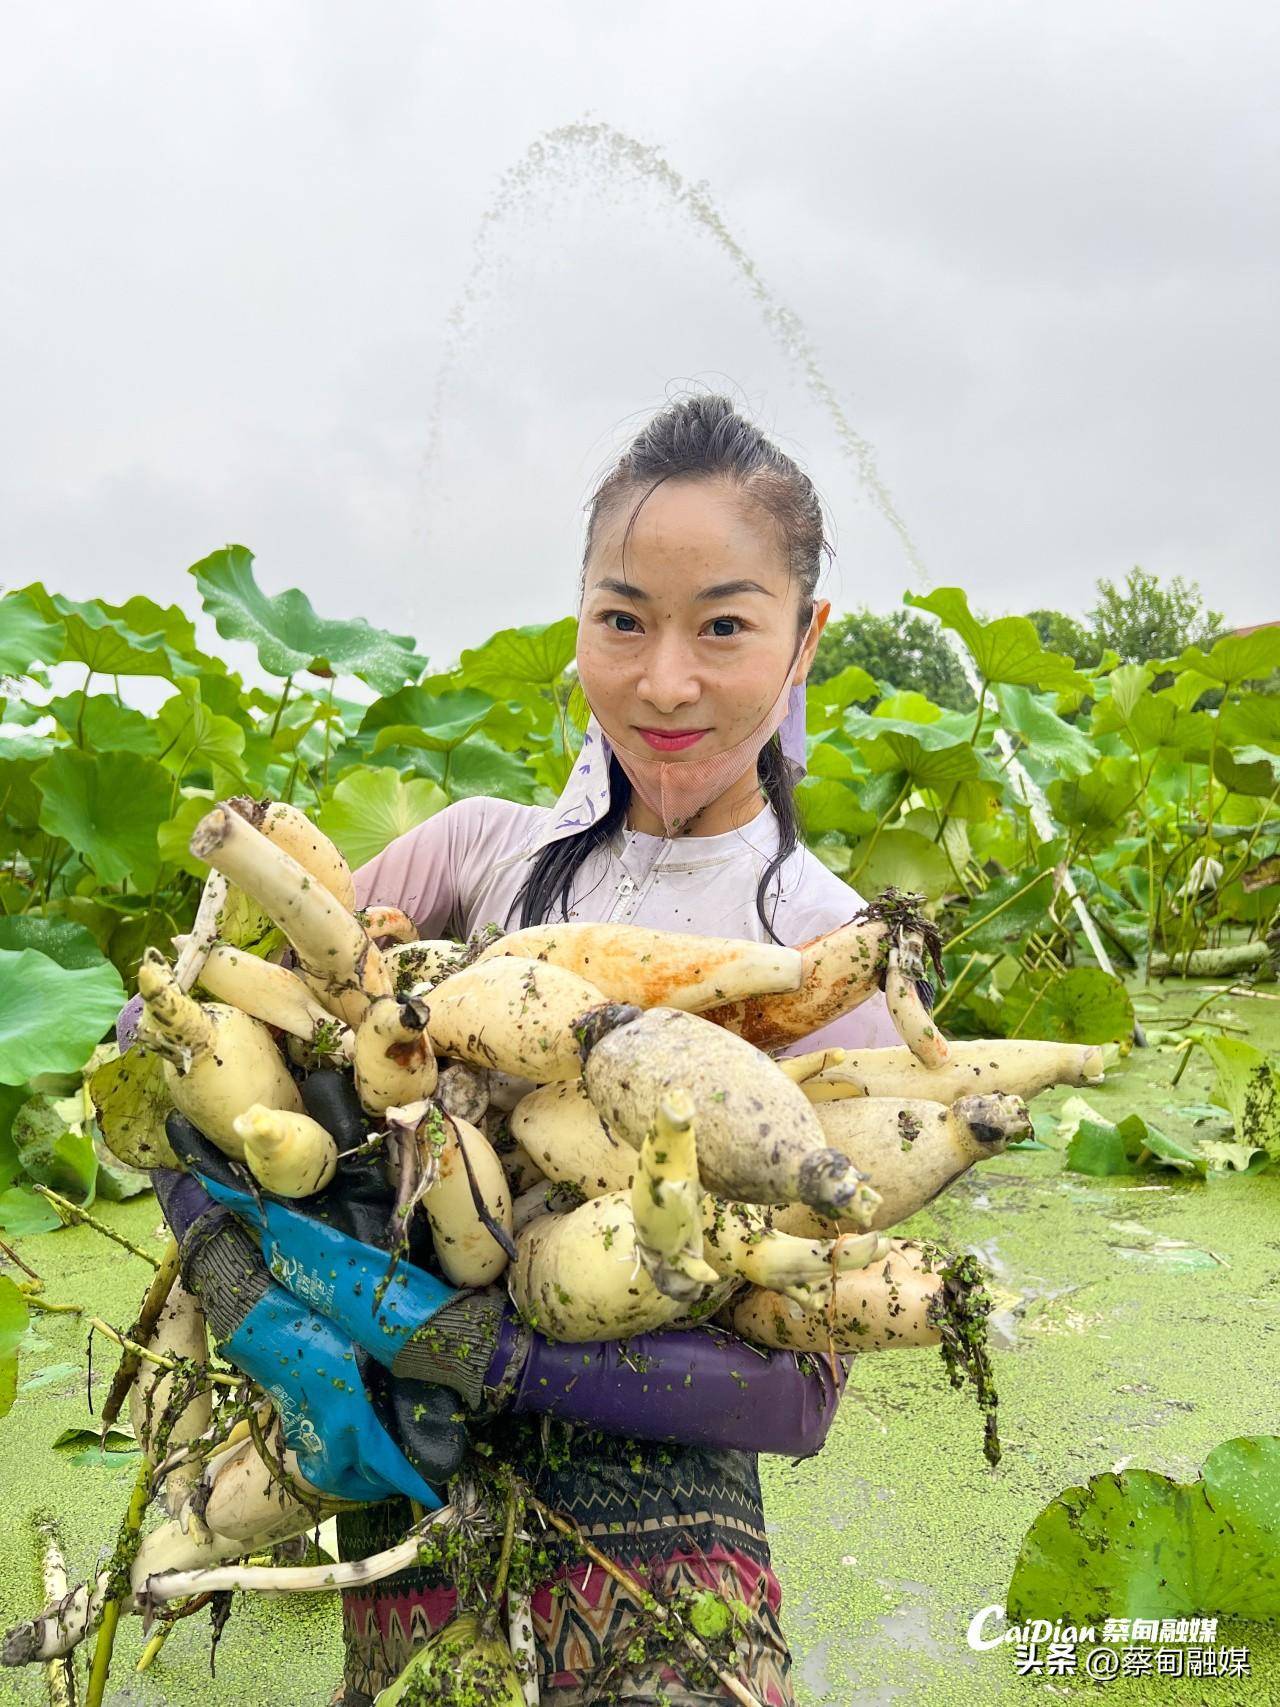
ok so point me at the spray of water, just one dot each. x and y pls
(609, 156)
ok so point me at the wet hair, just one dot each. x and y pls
(700, 438)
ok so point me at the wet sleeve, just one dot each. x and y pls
(426, 870)
(700, 1386)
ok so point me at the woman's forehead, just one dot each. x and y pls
(699, 538)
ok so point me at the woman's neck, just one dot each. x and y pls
(741, 802)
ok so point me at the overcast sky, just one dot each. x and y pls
(1034, 249)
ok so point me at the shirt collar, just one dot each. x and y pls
(585, 797)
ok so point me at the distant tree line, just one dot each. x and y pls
(1142, 618)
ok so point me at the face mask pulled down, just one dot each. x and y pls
(678, 790)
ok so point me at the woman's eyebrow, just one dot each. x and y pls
(724, 590)
(730, 589)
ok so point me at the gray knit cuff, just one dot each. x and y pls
(455, 1347)
(222, 1265)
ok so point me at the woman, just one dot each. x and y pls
(697, 628)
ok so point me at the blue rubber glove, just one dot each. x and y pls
(303, 1361)
(309, 1369)
(324, 1267)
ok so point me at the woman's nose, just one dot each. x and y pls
(667, 677)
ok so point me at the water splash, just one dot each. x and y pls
(608, 156)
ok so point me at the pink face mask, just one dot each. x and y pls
(678, 790)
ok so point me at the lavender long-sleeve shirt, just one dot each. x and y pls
(462, 869)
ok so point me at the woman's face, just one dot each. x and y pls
(699, 631)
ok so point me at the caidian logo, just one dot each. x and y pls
(1035, 1634)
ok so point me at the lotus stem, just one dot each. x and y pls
(72, 1212)
(203, 933)
(148, 1316)
(157, 1357)
(130, 1528)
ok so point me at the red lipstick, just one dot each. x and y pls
(672, 743)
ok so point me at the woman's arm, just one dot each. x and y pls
(699, 1386)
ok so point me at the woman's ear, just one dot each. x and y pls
(821, 611)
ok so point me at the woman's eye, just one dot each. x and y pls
(721, 635)
(625, 617)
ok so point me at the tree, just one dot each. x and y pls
(1147, 618)
(1061, 633)
(904, 649)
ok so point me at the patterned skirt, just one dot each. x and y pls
(678, 1518)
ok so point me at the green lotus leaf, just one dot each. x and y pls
(928, 754)
(1002, 918)
(436, 722)
(108, 808)
(1083, 1005)
(288, 635)
(1248, 1087)
(1049, 739)
(27, 635)
(904, 859)
(67, 943)
(1251, 722)
(373, 805)
(975, 801)
(1100, 1147)
(481, 767)
(833, 851)
(1127, 685)
(1155, 721)
(23, 1213)
(846, 687)
(1100, 799)
(101, 724)
(517, 663)
(1006, 650)
(193, 738)
(22, 712)
(173, 838)
(1236, 657)
(831, 760)
(52, 1153)
(1136, 1544)
(138, 638)
(23, 750)
(825, 805)
(909, 707)
(1250, 770)
(51, 1018)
